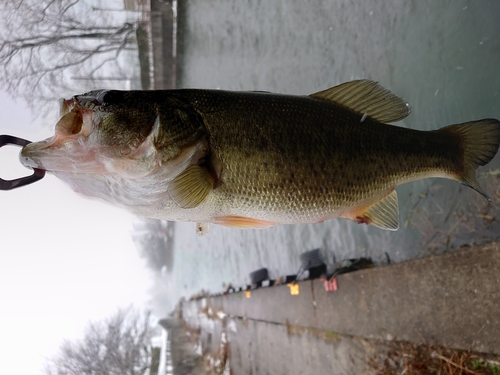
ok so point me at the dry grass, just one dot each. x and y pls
(422, 359)
(217, 363)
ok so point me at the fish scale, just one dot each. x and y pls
(255, 159)
(308, 173)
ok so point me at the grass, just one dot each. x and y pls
(481, 364)
(423, 359)
(217, 363)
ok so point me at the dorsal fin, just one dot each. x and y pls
(367, 98)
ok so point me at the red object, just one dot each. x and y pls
(330, 285)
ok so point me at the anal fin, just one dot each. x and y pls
(243, 222)
(383, 213)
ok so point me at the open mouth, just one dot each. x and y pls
(76, 120)
(68, 145)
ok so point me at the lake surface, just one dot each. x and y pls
(442, 57)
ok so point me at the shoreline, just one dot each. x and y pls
(449, 299)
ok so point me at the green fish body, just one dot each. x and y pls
(255, 159)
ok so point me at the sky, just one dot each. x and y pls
(64, 259)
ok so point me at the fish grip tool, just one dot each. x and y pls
(38, 174)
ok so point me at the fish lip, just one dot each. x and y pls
(66, 106)
(77, 102)
(50, 154)
(58, 153)
(71, 142)
(32, 154)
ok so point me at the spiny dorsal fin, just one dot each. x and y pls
(367, 98)
(191, 187)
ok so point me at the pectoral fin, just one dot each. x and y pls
(383, 213)
(191, 187)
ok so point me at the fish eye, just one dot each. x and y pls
(109, 97)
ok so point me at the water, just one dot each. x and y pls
(442, 57)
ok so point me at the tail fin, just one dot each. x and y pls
(479, 141)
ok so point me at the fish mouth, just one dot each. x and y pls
(69, 148)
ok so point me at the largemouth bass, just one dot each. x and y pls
(255, 159)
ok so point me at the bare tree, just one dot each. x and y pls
(119, 345)
(154, 240)
(46, 44)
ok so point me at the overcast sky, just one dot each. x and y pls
(64, 259)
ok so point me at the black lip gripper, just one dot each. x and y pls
(38, 174)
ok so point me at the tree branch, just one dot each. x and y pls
(57, 39)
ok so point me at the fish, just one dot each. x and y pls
(255, 159)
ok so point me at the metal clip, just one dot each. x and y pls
(18, 182)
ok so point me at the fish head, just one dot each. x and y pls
(129, 133)
(121, 146)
